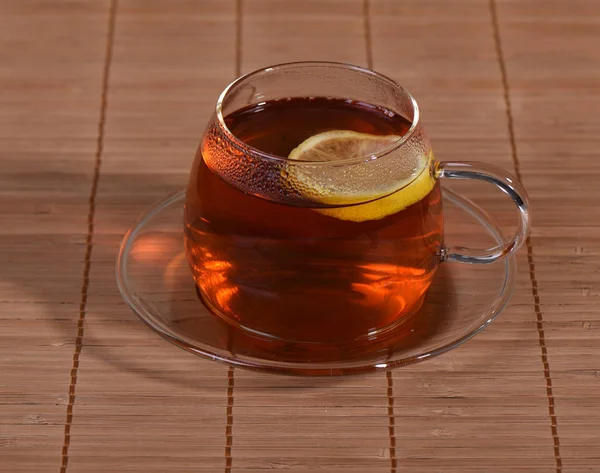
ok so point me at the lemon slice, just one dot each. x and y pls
(337, 145)
(387, 184)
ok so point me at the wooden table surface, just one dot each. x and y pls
(102, 105)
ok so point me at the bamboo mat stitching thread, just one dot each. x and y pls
(231, 371)
(388, 374)
(90, 235)
(229, 420)
(530, 260)
(238, 38)
(391, 421)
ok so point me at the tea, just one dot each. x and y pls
(302, 271)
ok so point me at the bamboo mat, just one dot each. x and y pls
(103, 103)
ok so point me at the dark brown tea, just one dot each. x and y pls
(310, 273)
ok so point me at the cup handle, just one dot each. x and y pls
(507, 184)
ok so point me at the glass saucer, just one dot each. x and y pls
(154, 279)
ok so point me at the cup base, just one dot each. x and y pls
(405, 319)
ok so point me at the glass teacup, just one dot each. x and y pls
(313, 212)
